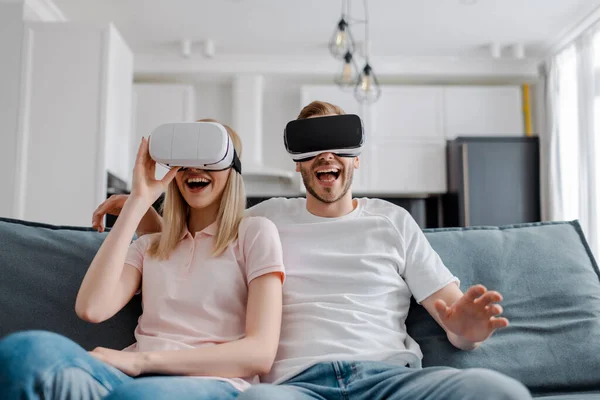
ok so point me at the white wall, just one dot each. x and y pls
(282, 104)
(11, 40)
(248, 95)
(119, 101)
(214, 100)
(56, 87)
(156, 104)
(74, 74)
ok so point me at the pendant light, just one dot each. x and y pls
(348, 78)
(341, 41)
(367, 88)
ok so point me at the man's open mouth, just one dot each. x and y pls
(327, 174)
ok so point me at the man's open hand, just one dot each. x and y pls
(474, 316)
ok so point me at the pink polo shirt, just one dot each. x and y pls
(194, 299)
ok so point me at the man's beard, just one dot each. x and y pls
(306, 178)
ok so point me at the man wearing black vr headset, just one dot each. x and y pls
(352, 267)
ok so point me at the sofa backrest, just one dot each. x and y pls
(551, 288)
(545, 271)
(41, 269)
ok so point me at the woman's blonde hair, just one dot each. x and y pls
(175, 211)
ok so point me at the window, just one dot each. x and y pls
(568, 131)
(596, 133)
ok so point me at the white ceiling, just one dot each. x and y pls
(302, 27)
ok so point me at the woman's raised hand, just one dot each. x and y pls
(145, 186)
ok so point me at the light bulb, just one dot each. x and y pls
(365, 83)
(347, 73)
(348, 77)
(340, 40)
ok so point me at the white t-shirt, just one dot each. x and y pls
(349, 282)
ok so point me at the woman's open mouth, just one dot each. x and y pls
(196, 185)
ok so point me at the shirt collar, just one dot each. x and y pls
(210, 230)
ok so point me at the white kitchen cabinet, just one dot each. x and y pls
(408, 112)
(74, 120)
(156, 104)
(407, 167)
(483, 110)
(407, 151)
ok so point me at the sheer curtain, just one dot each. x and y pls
(569, 142)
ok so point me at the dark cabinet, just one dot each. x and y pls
(492, 181)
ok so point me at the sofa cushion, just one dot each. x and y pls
(41, 269)
(571, 396)
(551, 288)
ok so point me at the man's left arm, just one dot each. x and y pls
(468, 318)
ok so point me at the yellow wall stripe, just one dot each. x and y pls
(527, 110)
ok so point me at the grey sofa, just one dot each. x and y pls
(545, 271)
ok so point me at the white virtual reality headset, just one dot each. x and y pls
(202, 145)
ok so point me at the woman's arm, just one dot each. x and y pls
(109, 283)
(151, 222)
(252, 355)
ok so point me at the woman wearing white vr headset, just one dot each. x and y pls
(211, 286)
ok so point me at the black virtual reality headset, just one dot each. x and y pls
(342, 135)
(202, 145)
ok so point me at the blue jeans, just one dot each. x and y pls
(378, 381)
(44, 365)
